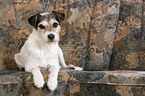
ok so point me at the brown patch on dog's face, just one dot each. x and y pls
(36, 19)
(47, 25)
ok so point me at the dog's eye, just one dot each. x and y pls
(41, 26)
(55, 25)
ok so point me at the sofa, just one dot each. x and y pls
(105, 37)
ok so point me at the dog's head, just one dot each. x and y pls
(47, 25)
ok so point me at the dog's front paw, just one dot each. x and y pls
(39, 82)
(73, 67)
(52, 84)
(78, 68)
(70, 66)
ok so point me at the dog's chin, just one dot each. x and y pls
(52, 41)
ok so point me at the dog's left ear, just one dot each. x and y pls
(34, 20)
(58, 16)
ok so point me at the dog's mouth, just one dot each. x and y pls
(51, 40)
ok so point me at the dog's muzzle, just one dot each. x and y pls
(51, 37)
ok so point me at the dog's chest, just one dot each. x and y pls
(49, 56)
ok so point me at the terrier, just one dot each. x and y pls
(41, 49)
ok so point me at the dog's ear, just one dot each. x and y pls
(34, 20)
(58, 16)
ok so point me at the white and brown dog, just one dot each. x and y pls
(41, 49)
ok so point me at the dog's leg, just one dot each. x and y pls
(18, 60)
(52, 78)
(38, 77)
(62, 62)
(61, 58)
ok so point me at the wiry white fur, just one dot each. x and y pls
(44, 23)
(39, 53)
(44, 13)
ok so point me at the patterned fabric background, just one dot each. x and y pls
(75, 83)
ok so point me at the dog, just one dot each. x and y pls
(41, 49)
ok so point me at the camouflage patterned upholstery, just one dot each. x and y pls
(129, 45)
(96, 34)
(75, 83)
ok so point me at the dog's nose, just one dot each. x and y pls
(51, 36)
